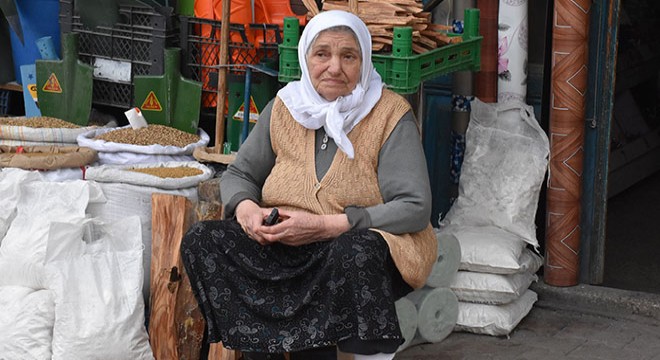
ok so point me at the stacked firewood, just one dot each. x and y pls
(381, 16)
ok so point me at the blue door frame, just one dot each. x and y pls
(600, 102)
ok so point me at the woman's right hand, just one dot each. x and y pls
(251, 216)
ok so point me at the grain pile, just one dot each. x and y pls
(38, 122)
(150, 135)
(169, 172)
(381, 16)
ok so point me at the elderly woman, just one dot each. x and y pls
(341, 158)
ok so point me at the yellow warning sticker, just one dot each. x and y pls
(254, 112)
(52, 85)
(151, 103)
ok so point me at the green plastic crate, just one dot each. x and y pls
(402, 71)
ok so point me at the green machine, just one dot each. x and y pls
(169, 99)
(261, 84)
(64, 87)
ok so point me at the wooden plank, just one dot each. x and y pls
(442, 38)
(311, 7)
(218, 352)
(440, 27)
(171, 217)
(353, 6)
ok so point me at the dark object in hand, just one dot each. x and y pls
(272, 218)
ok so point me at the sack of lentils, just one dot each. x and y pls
(39, 131)
(151, 144)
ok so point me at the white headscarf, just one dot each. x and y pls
(337, 117)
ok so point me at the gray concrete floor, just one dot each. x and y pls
(574, 323)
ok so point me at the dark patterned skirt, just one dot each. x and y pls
(279, 298)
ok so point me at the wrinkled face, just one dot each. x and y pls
(334, 63)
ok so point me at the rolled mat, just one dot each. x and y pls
(437, 312)
(570, 38)
(407, 314)
(449, 259)
(485, 84)
(512, 51)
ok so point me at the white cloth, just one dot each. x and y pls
(379, 356)
(337, 117)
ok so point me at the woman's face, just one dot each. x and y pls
(334, 64)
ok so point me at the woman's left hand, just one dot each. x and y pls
(299, 228)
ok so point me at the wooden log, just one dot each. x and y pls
(171, 217)
(176, 326)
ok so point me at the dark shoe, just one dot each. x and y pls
(324, 353)
(261, 356)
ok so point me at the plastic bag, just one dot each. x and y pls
(506, 158)
(99, 313)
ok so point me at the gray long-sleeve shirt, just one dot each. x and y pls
(402, 176)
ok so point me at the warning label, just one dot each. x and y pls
(52, 85)
(254, 112)
(151, 103)
(32, 89)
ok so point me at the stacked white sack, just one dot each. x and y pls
(492, 285)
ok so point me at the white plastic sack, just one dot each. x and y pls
(65, 174)
(124, 200)
(506, 157)
(34, 143)
(99, 310)
(26, 134)
(126, 154)
(487, 249)
(26, 323)
(40, 204)
(493, 289)
(497, 320)
(21, 273)
(122, 174)
(11, 180)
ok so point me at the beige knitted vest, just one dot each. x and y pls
(292, 183)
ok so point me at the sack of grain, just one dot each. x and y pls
(39, 130)
(128, 190)
(151, 144)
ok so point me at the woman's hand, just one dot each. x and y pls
(299, 228)
(295, 227)
(250, 216)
